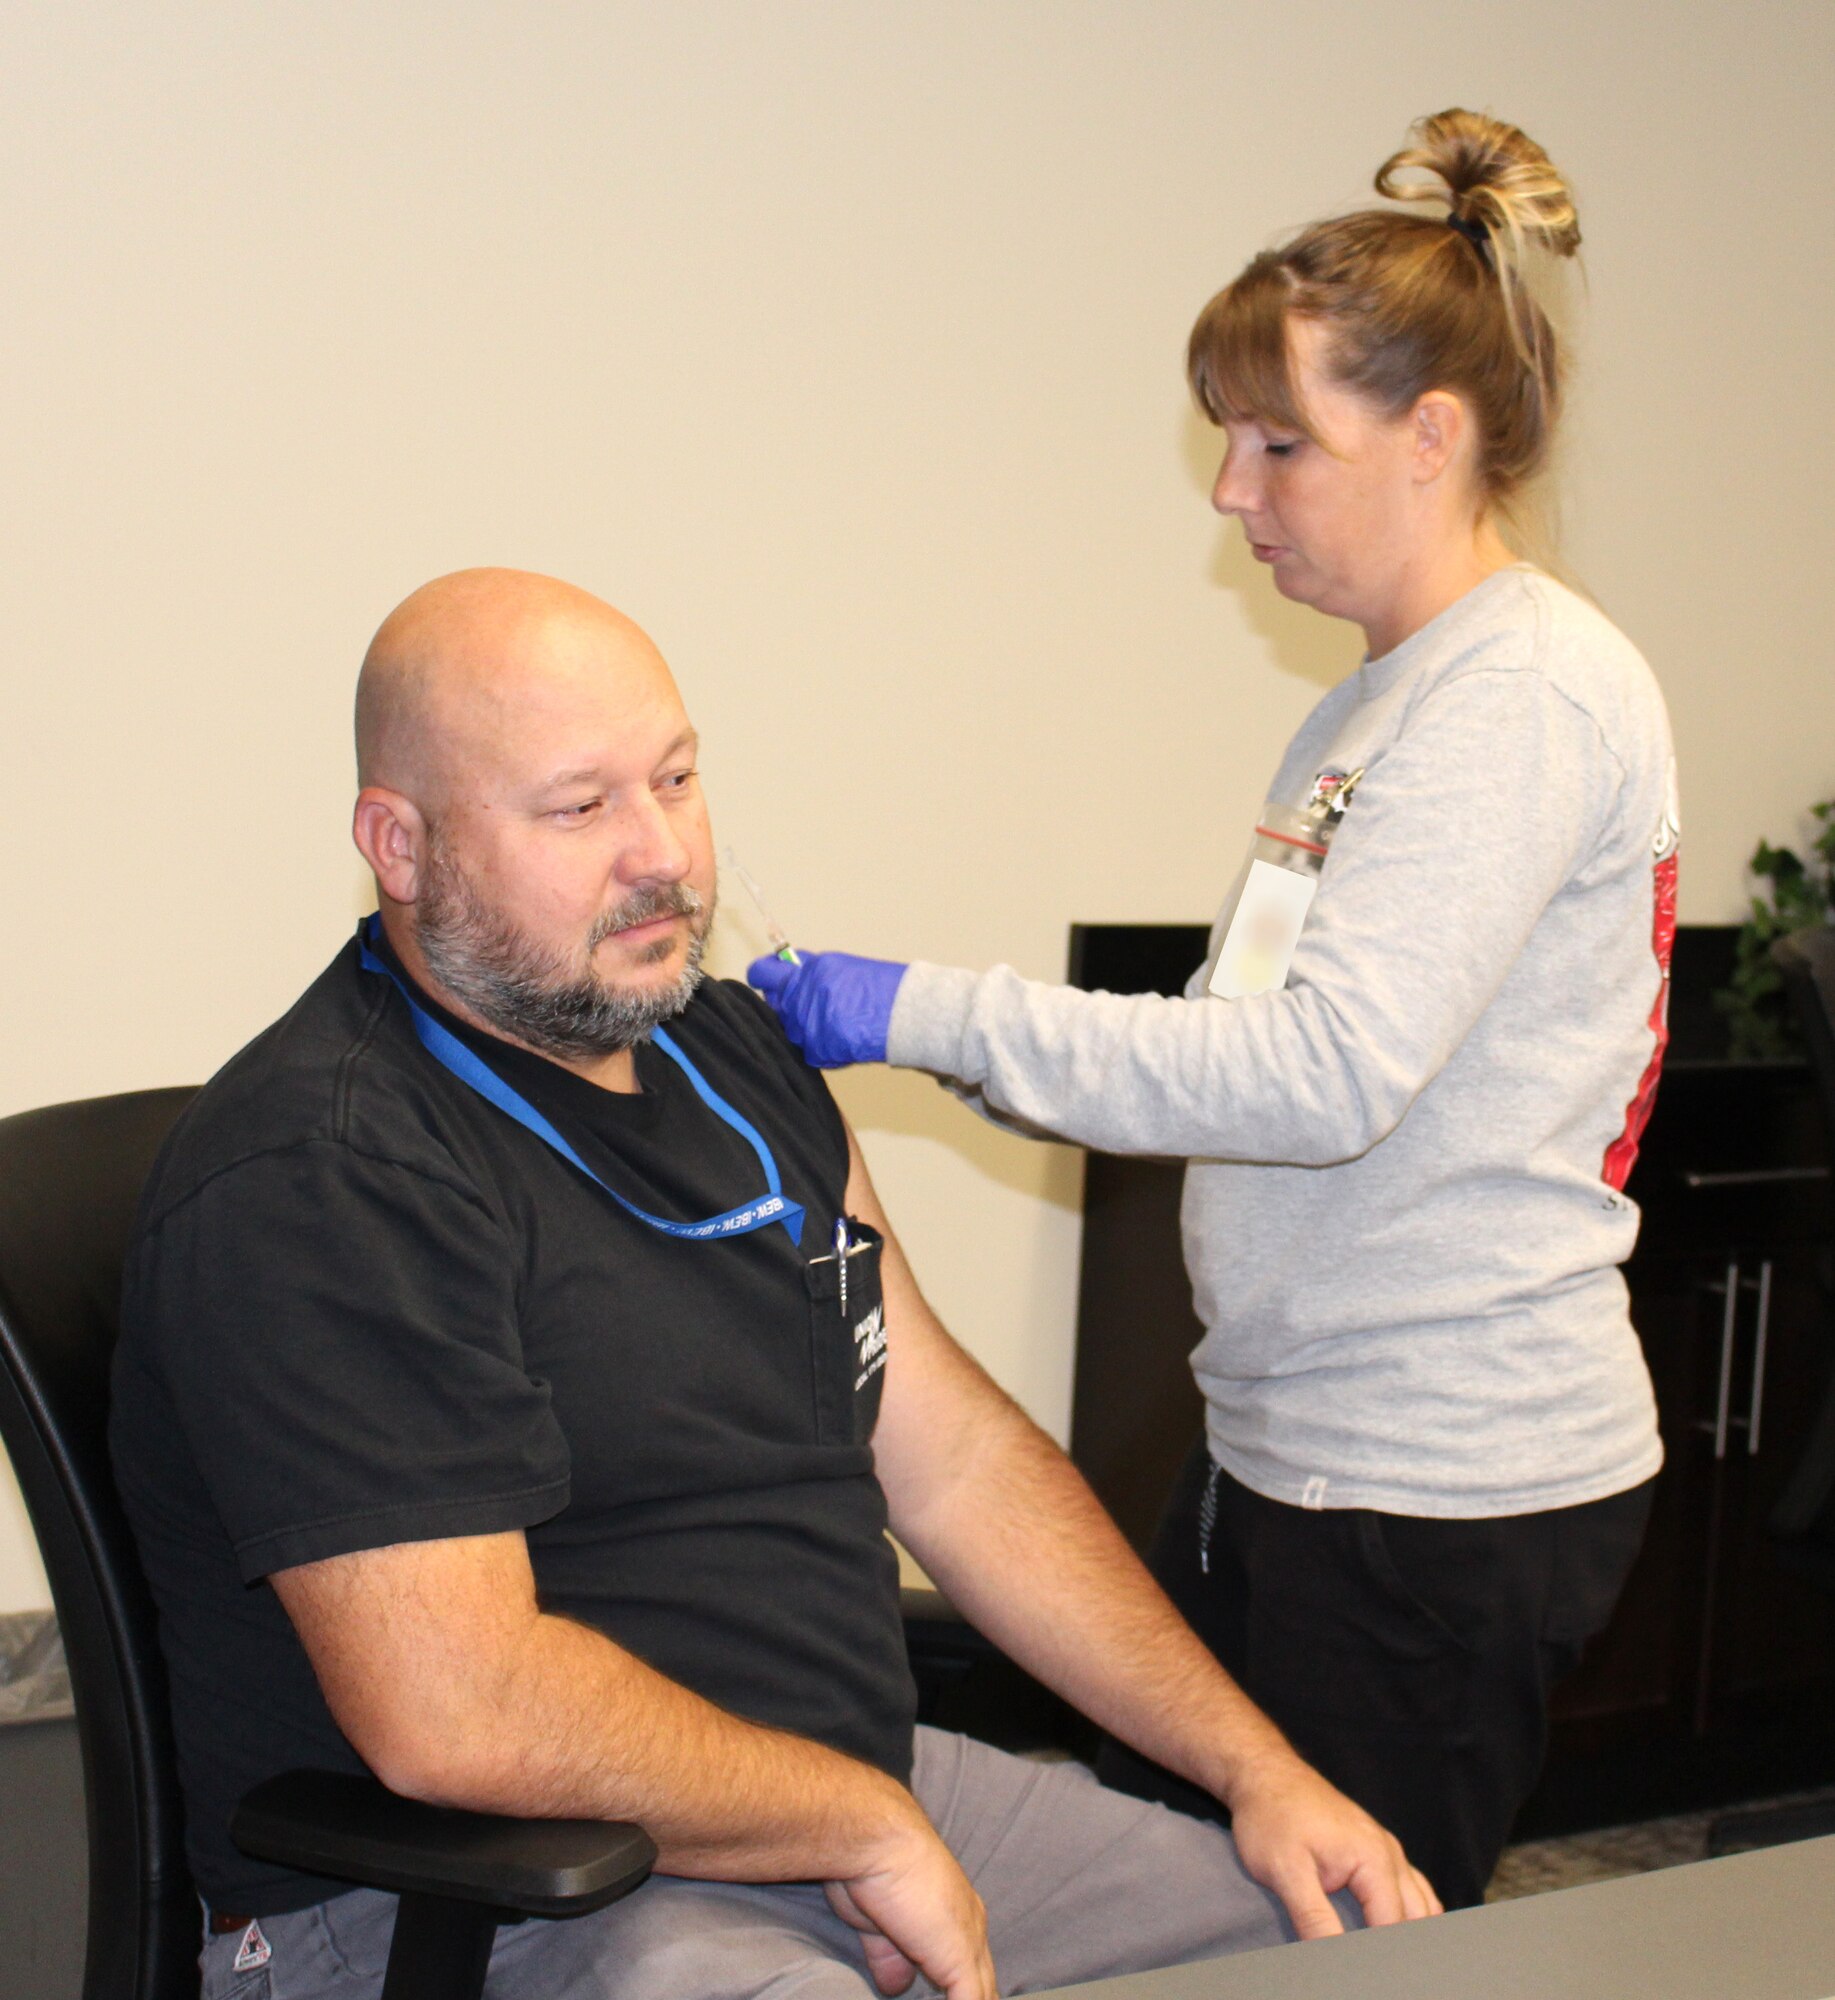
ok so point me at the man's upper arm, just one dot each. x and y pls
(412, 1643)
(940, 1407)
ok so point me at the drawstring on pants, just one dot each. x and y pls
(1207, 1515)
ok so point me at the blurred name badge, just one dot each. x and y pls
(1284, 864)
(1258, 947)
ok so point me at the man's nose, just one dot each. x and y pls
(653, 849)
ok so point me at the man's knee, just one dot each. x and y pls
(1081, 1881)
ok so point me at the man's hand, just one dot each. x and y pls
(1302, 1838)
(916, 1911)
(836, 1008)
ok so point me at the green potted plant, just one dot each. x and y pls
(1795, 894)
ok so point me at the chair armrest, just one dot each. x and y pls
(352, 1828)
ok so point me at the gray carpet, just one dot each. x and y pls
(1537, 1865)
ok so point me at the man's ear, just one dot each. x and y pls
(391, 835)
(1441, 426)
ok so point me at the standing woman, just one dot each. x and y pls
(1411, 1075)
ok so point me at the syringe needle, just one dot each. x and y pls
(774, 931)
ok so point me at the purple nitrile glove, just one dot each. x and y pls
(836, 1008)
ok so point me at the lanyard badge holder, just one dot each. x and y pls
(1285, 862)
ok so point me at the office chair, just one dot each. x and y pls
(70, 1177)
(1802, 1522)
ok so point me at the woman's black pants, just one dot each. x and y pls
(1407, 1658)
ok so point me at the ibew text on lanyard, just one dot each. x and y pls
(471, 1069)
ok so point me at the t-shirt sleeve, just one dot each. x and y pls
(339, 1333)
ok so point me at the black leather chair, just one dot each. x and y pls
(70, 1176)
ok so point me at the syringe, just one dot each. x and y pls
(774, 931)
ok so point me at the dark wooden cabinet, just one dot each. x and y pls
(1727, 1294)
(1716, 1677)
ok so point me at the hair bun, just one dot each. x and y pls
(1492, 175)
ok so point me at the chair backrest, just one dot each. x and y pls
(70, 1176)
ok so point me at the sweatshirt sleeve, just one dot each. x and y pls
(1461, 833)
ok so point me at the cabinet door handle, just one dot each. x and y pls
(1758, 1361)
(1729, 1319)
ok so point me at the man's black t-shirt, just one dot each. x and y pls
(365, 1307)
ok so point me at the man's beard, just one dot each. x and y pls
(530, 992)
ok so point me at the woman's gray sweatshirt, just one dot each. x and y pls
(1404, 1210)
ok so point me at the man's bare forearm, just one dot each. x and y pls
(721, 1797)
(1026, 1551)
(1006, 1524)
(509, 1709)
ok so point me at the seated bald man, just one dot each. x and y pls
(518, 1379)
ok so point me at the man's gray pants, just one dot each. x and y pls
(1079, 1882)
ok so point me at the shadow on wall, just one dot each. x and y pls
(1299, 640)
(916, 1107)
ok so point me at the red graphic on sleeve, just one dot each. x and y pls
(1621, 1155)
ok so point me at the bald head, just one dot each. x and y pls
(532, 812)
(454, 666)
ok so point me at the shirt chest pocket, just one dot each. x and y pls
(847, 1337)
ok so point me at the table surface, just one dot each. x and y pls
(1758, 1926)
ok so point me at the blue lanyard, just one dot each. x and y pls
(447, 1050)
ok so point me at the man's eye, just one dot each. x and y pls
(678, 781)
(1281, 447)
(584, 810)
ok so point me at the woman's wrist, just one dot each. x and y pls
(930, 1018)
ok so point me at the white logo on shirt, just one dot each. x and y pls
(870, 1346)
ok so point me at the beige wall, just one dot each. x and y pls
(840, 343)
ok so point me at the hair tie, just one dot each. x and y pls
(1474, 233)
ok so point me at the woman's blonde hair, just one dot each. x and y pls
(1412, 302)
